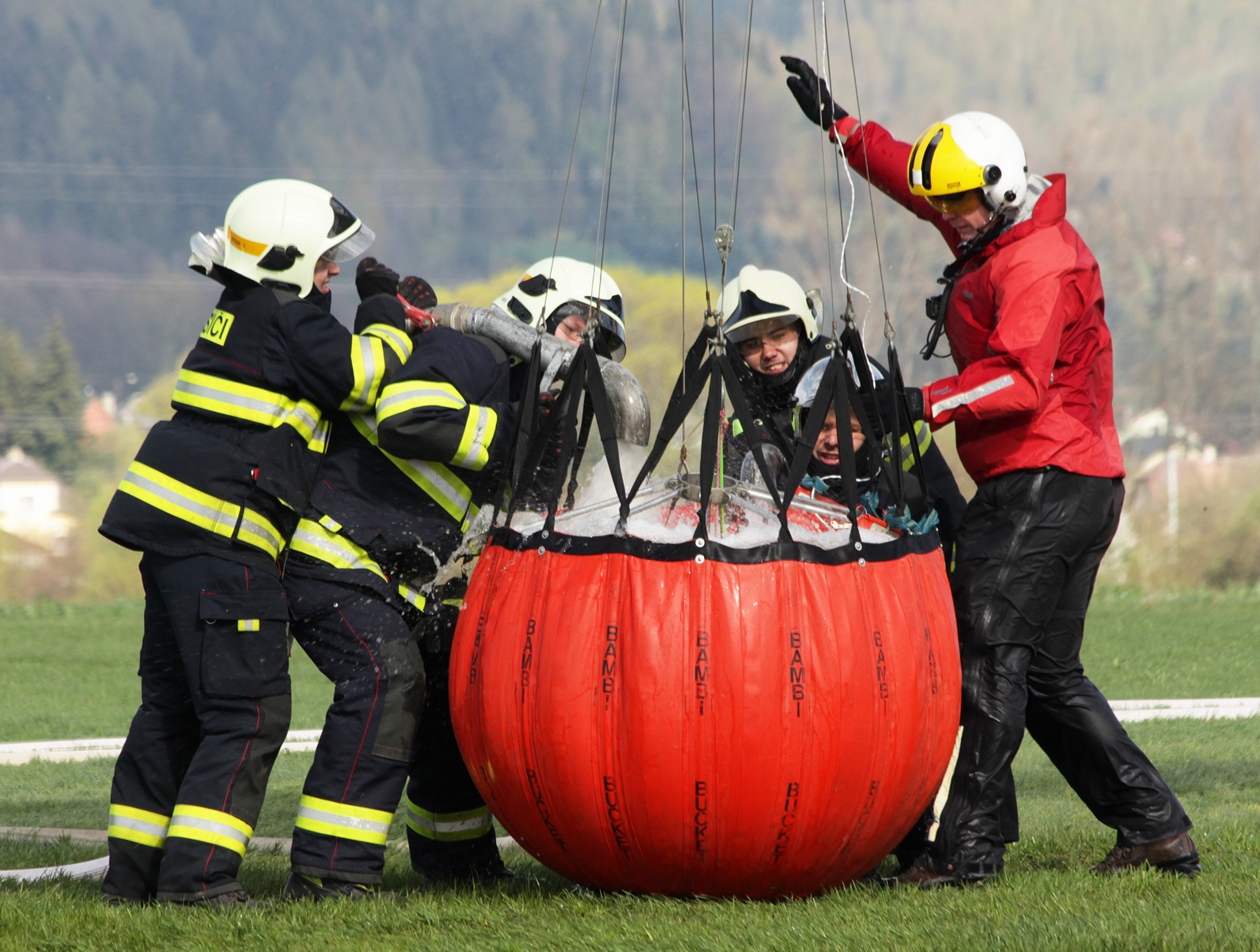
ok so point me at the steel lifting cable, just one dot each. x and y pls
(611, 147)
(689, 132)
(739, 135)
(568, 175)
(889, 334)
(846, 226)
(820, 55)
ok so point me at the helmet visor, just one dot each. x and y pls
(752, 316)
(606, 314)
(352, 247)
(959, 203)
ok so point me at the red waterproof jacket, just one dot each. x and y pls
(1026, 331)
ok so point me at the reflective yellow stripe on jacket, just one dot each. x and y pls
(242, 401)
(437, 481)
(326, 544)
(924, 433)
(449, 827)
(210, 826)
(367, 358)
(474, 447)
(208, 512)
(137, 826)
(412, 596)
(343, 820)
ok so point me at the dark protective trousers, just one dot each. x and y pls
(189, 783)
(449, 828)
(361, 643)
(1028, 553)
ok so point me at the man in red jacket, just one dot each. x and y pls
(1022, 310)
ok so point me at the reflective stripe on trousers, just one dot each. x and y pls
(343, 820)
(137, 826)
(449, 827)
(210, 826)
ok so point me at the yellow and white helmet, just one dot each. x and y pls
(276, 231)
(759, 299)
(540, 297)
(968, 151)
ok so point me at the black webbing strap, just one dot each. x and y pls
(599, 408)
(709, 439)
(570, 397)
(894, 371)
(519, 447)
(833, 394)
(538, 442)
(687, 388)
(851, 344)
(744, 415)
(584, 434)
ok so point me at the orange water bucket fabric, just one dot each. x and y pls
(693, 719)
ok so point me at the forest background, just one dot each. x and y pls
(127, 125)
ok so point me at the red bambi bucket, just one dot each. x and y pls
(690, 719)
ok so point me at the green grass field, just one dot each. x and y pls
(71, 673)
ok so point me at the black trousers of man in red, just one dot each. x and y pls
(1028, 553)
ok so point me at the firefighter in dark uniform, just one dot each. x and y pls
(378, 526)
(449, 829)
(211, 501)
(770, 325)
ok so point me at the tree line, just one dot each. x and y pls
(453, 130)
(41, 400)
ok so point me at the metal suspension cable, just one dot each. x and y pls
(713, 99)
(610, 150)
(870, 194)
(823, 149)
(743, 102)
(682, 187)
(577, 126)
(695, 169)
(846, 226)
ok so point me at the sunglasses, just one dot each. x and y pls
(960, 203)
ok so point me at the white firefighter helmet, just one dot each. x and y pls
(970, 150)
(554, 288)
(807, 389)
(758, 300)
(278, 230)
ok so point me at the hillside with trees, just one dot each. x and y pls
(127, 125)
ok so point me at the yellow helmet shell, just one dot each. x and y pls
(970, 150)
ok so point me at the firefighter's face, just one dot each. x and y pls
(773, 350)
(827, 446)
(325, 271)
(570, 329)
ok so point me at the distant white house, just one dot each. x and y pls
(30, 503)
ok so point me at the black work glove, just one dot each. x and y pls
(417, 292)
(811, 93)
(372, 278)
